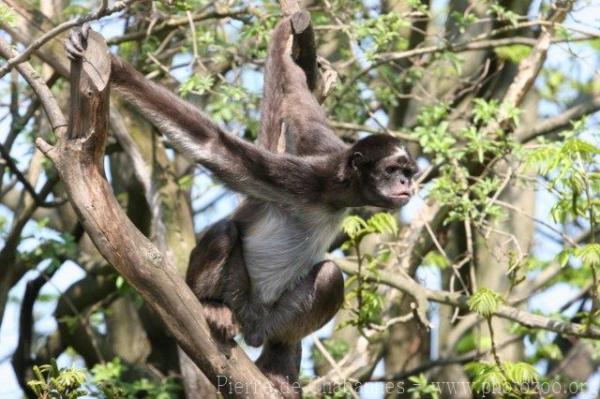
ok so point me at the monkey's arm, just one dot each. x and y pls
(241, 165)
(287, 99)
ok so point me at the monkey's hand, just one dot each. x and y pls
(76, 44)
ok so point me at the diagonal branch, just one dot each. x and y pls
(558, 122)
(55, 115)
(26, 184)
(78, 159)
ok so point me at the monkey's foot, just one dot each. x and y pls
(220, 319)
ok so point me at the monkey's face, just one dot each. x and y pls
(391, 179)
(384, 170)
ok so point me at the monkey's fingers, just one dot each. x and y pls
(77, 39)
(72, 53)
(85, 30)
(76, 44)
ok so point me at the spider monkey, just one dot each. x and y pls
(260, 271)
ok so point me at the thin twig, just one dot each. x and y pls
(52, 33)
(21, 178)
(331, 362)
(547, 225)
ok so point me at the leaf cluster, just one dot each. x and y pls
(51, 382)
(370, 301)
(485, 302)
(512, 380)
(109, 379)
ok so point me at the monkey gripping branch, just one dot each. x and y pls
(78, 155)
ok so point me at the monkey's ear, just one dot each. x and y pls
(355, 160)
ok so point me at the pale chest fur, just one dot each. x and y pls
(283, 245)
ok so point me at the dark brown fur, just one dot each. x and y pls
(308, 186)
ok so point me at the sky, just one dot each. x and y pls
(559, 56)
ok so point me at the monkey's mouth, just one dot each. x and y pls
(403, 195)
(400, 198)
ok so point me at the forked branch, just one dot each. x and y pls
(78, 156)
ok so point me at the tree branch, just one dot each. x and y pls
(78, 158)
(176, 23)
(55, 115)
(558, 122)
(46, 37)
(21, 358)
(21, 177)
(409, 286)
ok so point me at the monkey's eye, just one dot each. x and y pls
(390, 170)
(408, 172)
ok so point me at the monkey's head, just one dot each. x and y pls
(382, 171)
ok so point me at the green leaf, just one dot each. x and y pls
(504, 14)
(589, 254)
(484, 111)
(485, 302)
(422, 388)
(563, 257)
(7, 15)
(353, 226)
(521, 372)
(514, 53)
(196, 84)
(435, 258)
(383, 222)
(71, 378)
(185, 182)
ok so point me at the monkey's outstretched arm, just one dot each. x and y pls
(288, 100)
(241, 165)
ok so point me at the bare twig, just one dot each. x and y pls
(332, 362)
(55, 115)
(51, 34)
(178, 22)
(550, 125)
(21, 178)
(547, 225)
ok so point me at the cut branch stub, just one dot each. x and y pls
(89, 94)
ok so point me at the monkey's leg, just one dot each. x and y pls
(207, 274)
(280, 363)
(299, 312)
(308, 306)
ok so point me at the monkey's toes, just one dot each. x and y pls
(221, 321)
(225, 331)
